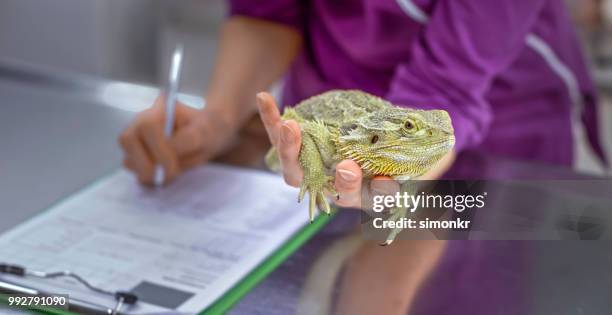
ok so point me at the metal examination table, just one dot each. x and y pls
(58, 133)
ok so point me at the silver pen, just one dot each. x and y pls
(171, 98)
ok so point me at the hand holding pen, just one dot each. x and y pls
(175, 142)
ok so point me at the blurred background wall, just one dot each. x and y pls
(131, 40)
(117, 39)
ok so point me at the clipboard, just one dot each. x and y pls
(247, 283)
(231, 297)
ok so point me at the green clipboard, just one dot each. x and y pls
(240, 289)
(234, 295)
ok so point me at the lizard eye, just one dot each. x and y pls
(374, 139)
(409, 125)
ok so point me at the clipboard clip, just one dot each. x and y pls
(123, 298)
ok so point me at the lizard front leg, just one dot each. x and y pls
(316, 150)
(397, 213)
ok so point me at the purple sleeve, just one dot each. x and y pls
(460, 50)
(288, 12)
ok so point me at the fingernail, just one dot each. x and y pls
(287, 135)
(381, 188)
(347, 176)
(260, 97)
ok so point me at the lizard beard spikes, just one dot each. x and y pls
(395, 159)
(370, 164)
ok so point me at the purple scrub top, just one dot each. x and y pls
(510, 73)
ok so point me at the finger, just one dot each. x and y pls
(158, 105)
(270, 116)
(380, 186)
(184, 115)
(348, 184)
(129, 165)
(289, 151)
(145, 177)
(159, 148)
(135, 152)
(192, 160)
(384, 185)
(187, 140)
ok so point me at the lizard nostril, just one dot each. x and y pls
(374, 139)
(347, 129)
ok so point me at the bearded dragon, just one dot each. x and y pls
(383, 139)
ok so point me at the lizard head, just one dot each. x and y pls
(397, 142)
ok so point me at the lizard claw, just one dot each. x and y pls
(317, 199)
(331, 189)
(396, 214)
(302, 193)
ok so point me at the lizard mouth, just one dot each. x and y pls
(370, 164)
(395, 159)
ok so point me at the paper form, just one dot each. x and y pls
(179, 248)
